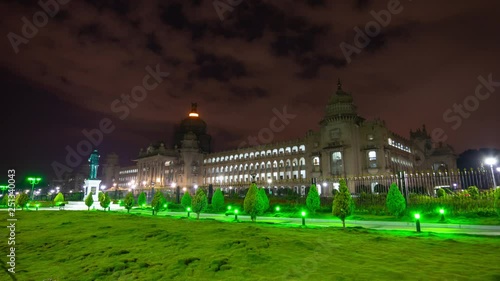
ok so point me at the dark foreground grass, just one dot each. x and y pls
(116, 246)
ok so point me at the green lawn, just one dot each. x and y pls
(96, 245)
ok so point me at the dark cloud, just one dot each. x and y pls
(263, 55)
(221, 69)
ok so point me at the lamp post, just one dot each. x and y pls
(303, 218)
(3, 188)
(33, 181)
(269, 181)
(492, 161)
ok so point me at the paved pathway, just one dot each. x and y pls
(493, 230)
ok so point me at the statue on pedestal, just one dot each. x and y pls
(94, 164)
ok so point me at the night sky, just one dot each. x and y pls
(262, 55)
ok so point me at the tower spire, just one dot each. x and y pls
(194, 110)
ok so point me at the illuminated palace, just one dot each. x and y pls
(346, 145)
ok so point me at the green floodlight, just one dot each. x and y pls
(417, 217)
(229, 207)
(441, 211)
(36, 206)
(303, 218)
(236, 214)
(277, 208)
(189, 211)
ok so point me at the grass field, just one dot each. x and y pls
(115, 246)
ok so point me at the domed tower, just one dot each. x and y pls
(193, 123)
(340, 107)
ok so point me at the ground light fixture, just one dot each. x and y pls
(417, 221)
(303, 218)
(441, 211)
(277, 209)
(229, 208)
(236, 214)
(36, 206)
(189, 211)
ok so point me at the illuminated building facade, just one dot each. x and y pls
(345, 146)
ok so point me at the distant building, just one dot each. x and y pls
(345, 146)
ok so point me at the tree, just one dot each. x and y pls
(473, 191)
(218, 200)
(5, 200)
(129, 201)
(253, 204)
(200, 202)
(343, 205)
(141, 200)
(186, 200)
(22, 200)
(89, 201)
(264, 199)
(313, 201)
(157, 203)
(59, 199)
(395, 201)
(100, 196)
(105, 201)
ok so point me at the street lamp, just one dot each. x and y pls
(3, 188)
(492, 161)
(33, 181)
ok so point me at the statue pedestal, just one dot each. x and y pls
(92, 186)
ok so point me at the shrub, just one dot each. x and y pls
(473, 191)
(441, 192)
(200, 202)
(129, 201)
(105, 201)
(395, 201)
(186, 200)
(59, 199)
(218, 200)
(89, 201)
(497, 200)
(343, 205)
(22, 200)
(313, 200)
(141, 200)
(157, 203)
(253, 204)
(264, 199)
(5, 200)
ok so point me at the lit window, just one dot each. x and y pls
(372, 159)
(316, 161)
(337, 165)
